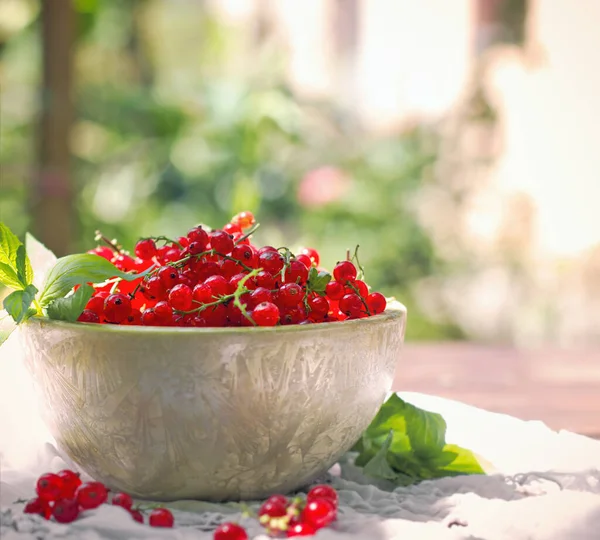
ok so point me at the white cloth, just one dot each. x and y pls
(547, 485)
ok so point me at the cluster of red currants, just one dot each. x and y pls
(296, 517)
(64, 497)
(219, 278)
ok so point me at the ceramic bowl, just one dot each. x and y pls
(211, 413)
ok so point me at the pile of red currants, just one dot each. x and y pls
(289, 518)
(64, 497)
(216, 278)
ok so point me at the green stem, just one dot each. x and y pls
(248, 234)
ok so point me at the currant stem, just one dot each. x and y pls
(248, 234)
(364, 302)
(360, 266)
(164, 239)
(99, 236)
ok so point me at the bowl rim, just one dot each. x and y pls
(394, 311)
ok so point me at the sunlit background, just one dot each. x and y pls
(455, 142)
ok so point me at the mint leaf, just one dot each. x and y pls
(77, 270)
(404, 443)
(24, 270)
(9, 244)
(317, 281)
(70, 307)
(18, 303)
(9, 276)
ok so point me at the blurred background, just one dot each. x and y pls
(455, 142)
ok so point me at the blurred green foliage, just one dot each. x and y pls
(155, 155)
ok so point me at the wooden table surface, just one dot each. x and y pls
(559, 387)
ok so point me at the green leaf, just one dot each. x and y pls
(464, 462)
(9, 244)
(79, 269)
(426, 431)
(378, 466)
(9, 277)
(70, 307)
(317, 281)
(23, 264)
(18, 303)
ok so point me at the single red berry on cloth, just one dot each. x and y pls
(88, 316)
(180, 297)
(323, 491)
(301, 529)
(71, 482)
(145, 249)
(37, 506)
(376, 303)
(161, 517)
(123, 500)
(230, 531)
(319, 513)
(335, 290)
(117, 307)
(244, 219)
(221, 242)
(272, 509)
(65, 510)
(266, 314)
(290, 295)
(344, 271)
(49, 487)
(137, 516)
(91, 495)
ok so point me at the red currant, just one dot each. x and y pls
(153, 289)
(359, 287)
(312, 254)
(172, 255)
(245, 254)
(319, 513)
(318, 305)
(272, 509)
(117, 307)
(301, 529)
(296, 272)
(199, 236)
(37, 506)
(264, 249)
(49, 487)
(344, 271)
(123, 500)
(290, 295)
(169, 276)
(335, 290)
(96, 302)
(323, 491)
(230, 531)
(88, 316)
(91, 495)
(278, 499)
(235, 280)
(71, 482)
(229, 268)
(221, 241)
(161, 517)
(351, 305)
(164, 313)
(265, 279)
(293, 315)
(149, 318)
(207, 269)
(218, 286)
(266, 314)
(65, 510)
(258, 296)
(104, 252)
(215, 315)
(180, 297)
(137, 516)
(145, 249)
(271, 261)
(305, 260)
(376, 303)
(124, 262)
(232, 228)
(244, 219)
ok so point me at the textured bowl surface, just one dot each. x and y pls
(211, 414)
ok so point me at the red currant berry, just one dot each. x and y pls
(202, 293)
(359, 287)
(235, 280)
(153, 289)
(215, 316)
(271, 509)
(232, 228)
(137, 516)
(318, 305)
(104, 252)
(65, 510)
(221, 242)
(135, 319)
(169, 277)
(161, 517)
(204, 270)
(296, 272)
(230, 531)
(123, 500)
(218, 286)
(266, 314)
(258, 296)
(290, 295)
(49, 487)
(335, 290)
(344, 271)
(88, 316)
(278, 499)
(244, 219)
(245, 254)
(195, 248)
(124, 262)
(229, 268)
(91, 495)
(71, 482)
(149, 318)
(293, 315)
(376, 303)
(145, 249)
(96, 303)
(301, 529)
(312, 254)
(117, 307)
(264, 249)
(164, 313)
(351, 305)
(265, 279)
(172, 255)
(36, 506)
(180, 297)
(305, 260)
(199, 236)
(323, 491)
(319, 513)
(271, 261)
